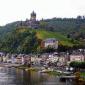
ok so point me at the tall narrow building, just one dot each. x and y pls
(32, 23)
(33, 16)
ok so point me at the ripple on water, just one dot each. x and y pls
(6, 79)
(12, 76)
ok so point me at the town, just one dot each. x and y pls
(68, 65)
(55, 58)
(42, 42)
(45, 63)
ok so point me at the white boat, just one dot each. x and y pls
(46, 70)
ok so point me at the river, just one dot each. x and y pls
(13, 76)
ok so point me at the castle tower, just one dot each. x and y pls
(33, 16)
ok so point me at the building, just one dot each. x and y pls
(1, 56)
(53, 58)
(49, 42)
(79, 57)
(33, 16)
(32, 23)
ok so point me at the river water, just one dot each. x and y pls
(13, 76)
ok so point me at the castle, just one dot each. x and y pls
(32, 23)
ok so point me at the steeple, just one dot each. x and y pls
(33, 16)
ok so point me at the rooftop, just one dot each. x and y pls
(50, 40)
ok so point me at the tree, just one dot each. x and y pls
(77, 65)
(21, 40)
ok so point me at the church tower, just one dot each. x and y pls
(33, 16)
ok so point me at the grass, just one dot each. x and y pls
(55, 73)
(82, 73)
(42, 34)
(27, 68)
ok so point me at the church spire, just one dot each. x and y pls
(33, 16)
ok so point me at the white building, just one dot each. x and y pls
(50, 42)
(52, 58)
(79, 58)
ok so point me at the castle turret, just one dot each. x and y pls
(32, 23)
(33, 16)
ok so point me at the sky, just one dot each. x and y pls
(16, 10)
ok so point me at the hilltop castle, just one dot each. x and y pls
(32, 23)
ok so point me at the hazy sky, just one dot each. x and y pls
(14, 10)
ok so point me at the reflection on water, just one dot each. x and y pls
(12, 76)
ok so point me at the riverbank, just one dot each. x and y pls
(82, 74)
(39, 69)
(21, 77)
(28, 68)
(55, 73)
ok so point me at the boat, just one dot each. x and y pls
(46, 70)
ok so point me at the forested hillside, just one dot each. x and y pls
(66, 25)
(20, 40)
(69, 32)
(8, 28)
(71, 27)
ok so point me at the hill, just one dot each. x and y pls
(74, 27)
(69, 31)
(26, 40)
(8, 28)
(20, 40)
(66, 25)
(43, 34)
